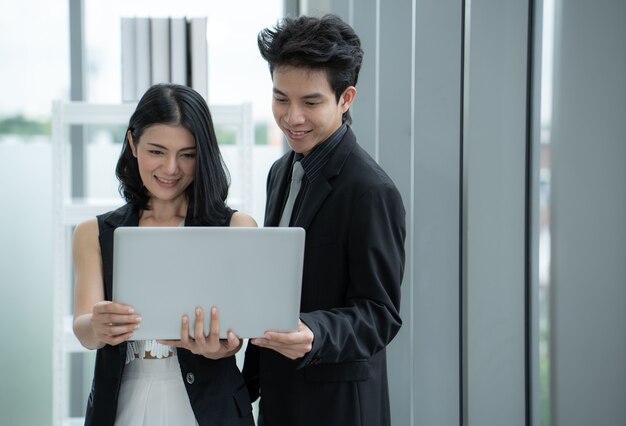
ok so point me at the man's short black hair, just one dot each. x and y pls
(326, 43)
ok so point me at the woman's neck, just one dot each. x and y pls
(161, 213)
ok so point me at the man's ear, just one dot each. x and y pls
(131, 143)
(347, 97)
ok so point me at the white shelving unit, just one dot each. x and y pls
(68, 212)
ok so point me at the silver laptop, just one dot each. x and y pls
(252, 275)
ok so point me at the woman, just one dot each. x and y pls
(171, 174)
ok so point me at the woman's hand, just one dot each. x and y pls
(210, 346)
(113, 323)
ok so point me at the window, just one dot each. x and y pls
(36, 39)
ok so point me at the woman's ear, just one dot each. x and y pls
(347, 97)
(131, 143)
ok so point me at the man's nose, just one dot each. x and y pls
(295, 116)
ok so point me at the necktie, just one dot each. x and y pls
(294, 188)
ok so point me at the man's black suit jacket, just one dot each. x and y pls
(354, 262)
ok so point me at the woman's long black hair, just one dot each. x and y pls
(174, 104)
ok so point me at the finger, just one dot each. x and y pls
(233, 341)
(214, 327)
(118, 319)
(119, 339)
(101, 307)
(119, 330)
(262, 342)
(291, 351)
(103, 331)
(112, 307)
(113, 334)
(123, 329)
(198, 330)
(184, 331)
(283, 338)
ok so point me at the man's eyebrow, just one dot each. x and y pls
(315, 95)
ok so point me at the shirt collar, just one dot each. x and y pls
(317, 158)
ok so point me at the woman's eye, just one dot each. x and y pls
(189, 155)
(280, 100)
(155, 152)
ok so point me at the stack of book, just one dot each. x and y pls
(163, 50)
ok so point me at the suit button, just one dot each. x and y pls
(190, 378)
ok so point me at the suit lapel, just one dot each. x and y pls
(322, 186)
(315, 196)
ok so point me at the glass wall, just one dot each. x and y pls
(35, 50)
(544, 207)
(587, 211)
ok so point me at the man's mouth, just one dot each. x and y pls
(298, 133)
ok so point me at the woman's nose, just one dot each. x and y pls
(171, 164)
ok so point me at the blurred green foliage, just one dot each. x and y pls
(260, 134)
(19, 125)
(227, 136)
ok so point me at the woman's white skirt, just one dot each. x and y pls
(153, 393)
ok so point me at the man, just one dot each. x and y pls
(332, 370)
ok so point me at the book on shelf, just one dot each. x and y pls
(178, 51)
(142, 56)
(199, 55)
(161, 49)
(129, 90)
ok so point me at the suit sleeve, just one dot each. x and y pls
(371, 316)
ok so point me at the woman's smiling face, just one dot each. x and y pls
(166, 157)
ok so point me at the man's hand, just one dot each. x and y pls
(293, 345)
